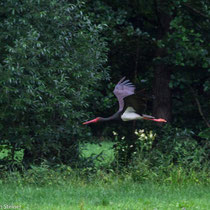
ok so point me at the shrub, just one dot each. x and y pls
(178, 146)
(52, 56)
(169, 155)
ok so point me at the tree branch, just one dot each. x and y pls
(152, 22)
(196, 11)
(199, 107)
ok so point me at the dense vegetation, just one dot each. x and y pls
(43, 187)
(60, 60)
(52, 57)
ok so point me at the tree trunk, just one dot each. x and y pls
(161, 90)
(162, 93)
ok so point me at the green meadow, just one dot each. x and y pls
(119, 194)
(44, 188)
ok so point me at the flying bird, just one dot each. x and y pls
(131, 104)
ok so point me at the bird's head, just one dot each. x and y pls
(97, 119)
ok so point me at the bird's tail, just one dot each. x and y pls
(148, 116)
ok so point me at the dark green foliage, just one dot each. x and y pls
(162, 149)
(51, 59)
(180, 147)
(140, 40)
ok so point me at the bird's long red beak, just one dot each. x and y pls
(91, 121)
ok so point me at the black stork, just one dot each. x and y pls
(131, 104)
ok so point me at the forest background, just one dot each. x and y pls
(60, 61)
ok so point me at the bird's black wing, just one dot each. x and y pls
(138, 101)
(123, 89)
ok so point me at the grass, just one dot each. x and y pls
(103, 151)
(99, 191)
(115, 195)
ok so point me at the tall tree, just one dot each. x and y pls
(162, 92)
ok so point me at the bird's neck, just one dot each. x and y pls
(115, 116)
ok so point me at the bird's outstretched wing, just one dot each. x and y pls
(123, 89)
(138, 101)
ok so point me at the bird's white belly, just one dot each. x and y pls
(130, 114)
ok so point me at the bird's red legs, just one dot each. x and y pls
(156, 120)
